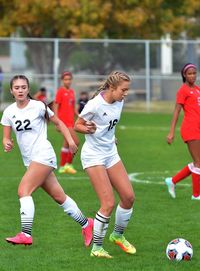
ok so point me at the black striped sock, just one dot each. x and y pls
(70, 207)
(27, 210)
(100, 227)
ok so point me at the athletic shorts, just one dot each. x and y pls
(45, 156)
(69, 123)
(98, 160)
(190, 131)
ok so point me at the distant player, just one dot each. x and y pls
(41, 95)
(83, 99)
(102, 163)
(65, 110)
(188, 99)
(28, 119)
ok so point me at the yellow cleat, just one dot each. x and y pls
(122, 243)
(61, 170)
(100, 253)
(68, 168)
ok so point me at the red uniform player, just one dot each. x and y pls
(188, 99)
(65, 110)
(41, 95)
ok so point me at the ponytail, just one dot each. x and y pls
(113, 80)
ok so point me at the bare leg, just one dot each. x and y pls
(33, 178)
(194, 149)
(103, 188)
(120, 181)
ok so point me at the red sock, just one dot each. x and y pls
(69, 158)
(182, 174)
(195, 184)
(63, 157)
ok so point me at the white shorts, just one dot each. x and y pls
(46, 157)
(107, 161)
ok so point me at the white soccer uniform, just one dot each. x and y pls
(30, 128)
(100, 148)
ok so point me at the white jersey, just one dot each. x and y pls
(30, 128)
(105, 116)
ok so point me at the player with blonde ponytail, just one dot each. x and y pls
(102, 163)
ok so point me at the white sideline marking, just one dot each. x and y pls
(160, 128)
(134, 178)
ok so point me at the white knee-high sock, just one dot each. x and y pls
(100, 227)
(122, 217)
(27, 210)
(70, 207)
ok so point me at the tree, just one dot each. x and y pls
(97, 18)
(130, 19)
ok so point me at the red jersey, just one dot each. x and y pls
(189, 98)
(42, 98)
(65, 98)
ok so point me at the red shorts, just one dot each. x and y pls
(68, 123)
(190, 131)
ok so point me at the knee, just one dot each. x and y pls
(60, 199)
(197, 164)
(128, 200)
(108, 207)
(22, 192)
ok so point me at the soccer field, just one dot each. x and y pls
(57, 241)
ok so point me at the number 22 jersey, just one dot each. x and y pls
(30, 127)
(105, 116)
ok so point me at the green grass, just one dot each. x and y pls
(157, 218)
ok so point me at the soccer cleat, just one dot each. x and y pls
(68, 168)
(195, 198)
(87, 232)
(61, 170)
(100, 253)
(171, 187)
(20, 239)
(122, 243)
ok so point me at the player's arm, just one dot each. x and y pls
(177, 110)
(76, 110)
(55, 108)
(85, 127)
(65, 131)
(7, 141)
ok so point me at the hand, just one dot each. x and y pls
(91, 127)
(8, 145)
(170, 138)
(72, 147)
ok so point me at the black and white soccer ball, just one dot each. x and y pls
(179, 249)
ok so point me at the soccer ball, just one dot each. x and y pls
(179, 249)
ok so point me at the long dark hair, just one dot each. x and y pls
(185, 68)
(23, 77)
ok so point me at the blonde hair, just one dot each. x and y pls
(113, 80)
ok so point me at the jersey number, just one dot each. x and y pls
(20, 127)
(112, 123)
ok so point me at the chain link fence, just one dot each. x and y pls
(154, 65)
